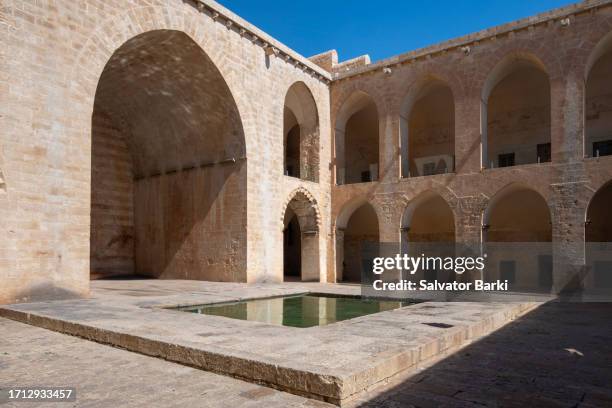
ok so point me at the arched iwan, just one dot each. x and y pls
(168, 165)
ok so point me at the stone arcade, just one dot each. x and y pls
(173, 139)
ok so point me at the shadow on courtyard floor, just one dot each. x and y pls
(559, 355)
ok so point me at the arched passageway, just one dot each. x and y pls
(515, 114)
(428, 226)
(427, 126)
(598, 101)
(356, 140)
(517, 231)
(301, 134)
(598, 235)
(168, 196)
(357, 235)
(301, 258)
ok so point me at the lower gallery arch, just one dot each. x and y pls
(598, 236)
(168, 196)
(428, 226)
(356, 232)
(517, 231)
(301, 260)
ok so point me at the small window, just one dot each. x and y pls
(506, 160)
(507, 271)
(543, 152)
(365, 176)
(603, 148)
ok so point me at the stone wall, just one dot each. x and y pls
(53, 55)
(112, 201)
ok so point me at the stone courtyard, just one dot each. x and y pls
(165, 153)
(554, 356)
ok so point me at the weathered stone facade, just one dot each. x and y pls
(150, 136)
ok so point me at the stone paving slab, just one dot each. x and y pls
(558, 355)
(334, 363)
(109, 377)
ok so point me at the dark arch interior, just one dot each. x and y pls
(292, 248)
(598, 108)
(432, 220)
(518, 117)
(599, 216)
(301, 134)
(168, 153)
(357, 141)
(361, 230)
(301, 256)
(519, 215)
(431, 132)
(599, 240)
(518, 235)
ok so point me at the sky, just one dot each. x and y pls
(380, 28)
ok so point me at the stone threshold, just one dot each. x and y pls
(337, 386)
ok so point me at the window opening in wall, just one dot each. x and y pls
(543, 152)
(603, 148)
(506, 160)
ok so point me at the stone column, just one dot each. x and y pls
(567, 118)
(339, 240)
(339, 156)
(567, 204)
(568, 212)
(404, 165)
(468, 222)
(309, 160)
(310, 256)
(468, 133)
(388, 169)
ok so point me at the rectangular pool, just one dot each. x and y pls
(305, 310)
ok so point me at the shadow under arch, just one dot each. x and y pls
(301, 133)
(515, 112)
(517, 238)
(357, 236)
(598, 240)
(427, 128)
(428, 227)
(356, 140)
(168, 164)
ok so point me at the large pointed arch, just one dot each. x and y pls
(168, 149)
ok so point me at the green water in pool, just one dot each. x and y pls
(304, 310)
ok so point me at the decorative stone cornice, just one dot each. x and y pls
(465, 44)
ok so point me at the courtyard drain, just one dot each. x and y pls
(440, 325)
